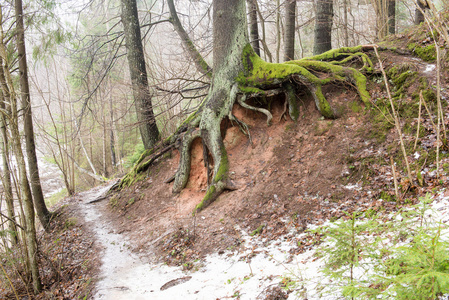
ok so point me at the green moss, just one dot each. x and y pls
(222, 172)
(258, 230)
(335, 53)
(426, 53)
(355, 106)
(258, 74)
(210, 194)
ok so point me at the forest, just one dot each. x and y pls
(180, 133)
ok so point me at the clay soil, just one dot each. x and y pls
(289, 174)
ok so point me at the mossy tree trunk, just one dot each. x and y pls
(239, 73)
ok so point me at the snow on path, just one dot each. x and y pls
(125, 276)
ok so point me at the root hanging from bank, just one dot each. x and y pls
(259, 79)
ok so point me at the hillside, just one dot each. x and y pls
(289, 177)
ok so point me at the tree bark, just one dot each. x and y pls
(6, 178)
(39, 201)
(25, 192)
(278, 30)
(392, 16)
(289, 40)
(419, 16)
(201, 64)
(139, 79)
(253, 26)
(240, 73)
(323, 26)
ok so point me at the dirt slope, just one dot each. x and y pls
(288, 175)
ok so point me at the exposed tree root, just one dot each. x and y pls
(256, 78)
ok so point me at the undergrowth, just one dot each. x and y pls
(398, 256)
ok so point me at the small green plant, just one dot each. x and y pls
(258, 230)
(287, 283)
(346, 249)
(130, 202)
(401, 257)
(70, 222)
(133, 158)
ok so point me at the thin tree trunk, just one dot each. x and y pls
(39, 202)
(25, 192)
(278, 30)
(141, 92)
(266, 50)
(6, 178)
(419, 16)
(323, 26)
(94, 173)
(111, 133)
(289, 40)
(253, 26)
(392, 16)
(201, 64)
(346, 26)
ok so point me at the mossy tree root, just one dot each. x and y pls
(183, 172)
(259, 76)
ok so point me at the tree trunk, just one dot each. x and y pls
(25, 192)
(137, 70)
(240, 73)
(111, 134)
(419, 16)
(278, 30)
(346, 25)
(323, 26)
(39, 202)
(6, 178)
(289, 40)
(201, 64)
(392, 16)
(253, 26)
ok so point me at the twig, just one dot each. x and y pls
(395, 179)
(17, 224)
(419, 120)
(396, 119)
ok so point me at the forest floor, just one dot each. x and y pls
(144, 243)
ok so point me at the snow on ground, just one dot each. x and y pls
(244, 275)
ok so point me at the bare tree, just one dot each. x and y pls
(39, 201)
(141, 92)
(25, 191)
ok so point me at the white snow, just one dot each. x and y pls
(247, 274)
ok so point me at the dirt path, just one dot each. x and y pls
(250, 273)
(122, 273)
